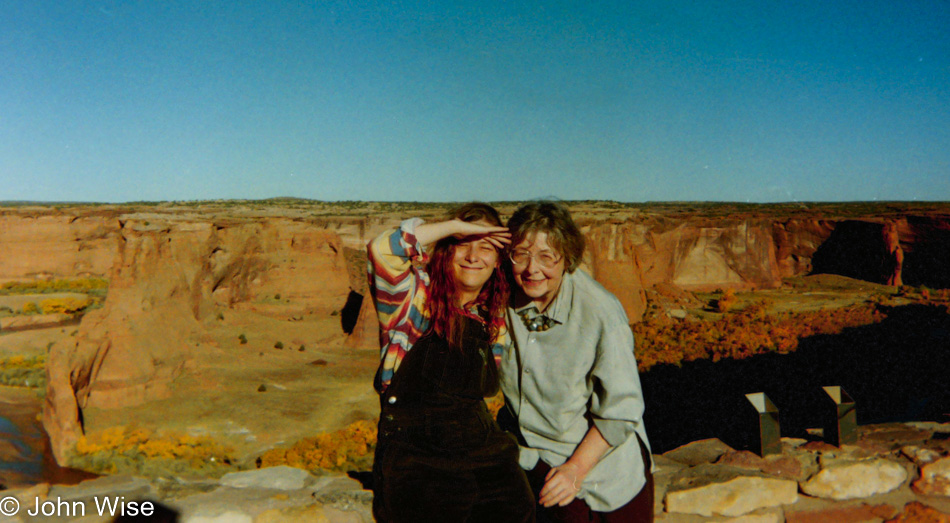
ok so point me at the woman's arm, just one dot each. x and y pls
(615, 406)
(391, 278)
(563, 483)
(429, 233)
(390, 257)
(399, 287)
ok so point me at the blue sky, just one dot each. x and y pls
(759, 101)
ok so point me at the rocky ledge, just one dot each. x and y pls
(269, 495)
(895, 472)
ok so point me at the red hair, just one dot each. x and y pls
(446, 317)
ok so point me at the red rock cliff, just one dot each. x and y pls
(49, 244)
(172, 273)
(169, 278)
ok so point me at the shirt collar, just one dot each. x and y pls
(560, 307)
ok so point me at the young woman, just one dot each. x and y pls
(440, 297)
(572, 391)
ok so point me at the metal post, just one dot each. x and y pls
(769, 437)
(842, 428)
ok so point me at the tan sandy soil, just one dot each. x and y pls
(321, 388)
(32, 342)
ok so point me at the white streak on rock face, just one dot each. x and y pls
(733, 498)
(856, 480)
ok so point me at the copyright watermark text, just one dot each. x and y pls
(102, 506)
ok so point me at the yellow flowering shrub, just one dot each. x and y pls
(65, 305)
(23, 362)
(345, 448)
(727, 301)
(742, 334)
(60, 285)
(23, 371)
(136, 447)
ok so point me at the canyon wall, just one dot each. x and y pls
(171, 279)
(46, 244)
(699, 254)
(174, 274)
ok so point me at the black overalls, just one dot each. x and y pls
(440, 456)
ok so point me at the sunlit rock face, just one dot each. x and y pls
(173, 272)
(51, 244)
(698, 254)
(168, 280)
(702, 254)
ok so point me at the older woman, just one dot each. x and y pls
(570, 381)
(440, 296)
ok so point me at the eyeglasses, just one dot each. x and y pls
(546, 259)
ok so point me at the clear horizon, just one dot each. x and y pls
(745, 102)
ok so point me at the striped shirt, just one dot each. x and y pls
(399, 284)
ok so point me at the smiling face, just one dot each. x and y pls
(538, 283)
(473, 262)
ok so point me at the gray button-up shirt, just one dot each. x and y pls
(583, 364)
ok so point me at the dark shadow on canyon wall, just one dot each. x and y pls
(927, 258)
(857, 249)
(897, 370)
(854, 249)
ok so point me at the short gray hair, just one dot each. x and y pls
(555, 220)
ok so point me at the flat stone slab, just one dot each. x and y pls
(798, 466)
(896, 433)
(921, 455)
(665, 465)
(278, 478)
(106, 486)
(735, 497)
(698, 452)
(916, 511)
(853, 513)
(856, 480)
(231, 516)
(228, 500)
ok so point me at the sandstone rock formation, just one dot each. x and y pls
(174, 270)
(169, 279)
(45, 243)
(698, 254)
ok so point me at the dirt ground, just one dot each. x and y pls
(254, 396)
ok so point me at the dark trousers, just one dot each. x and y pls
(639, 509)
(479, 487)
